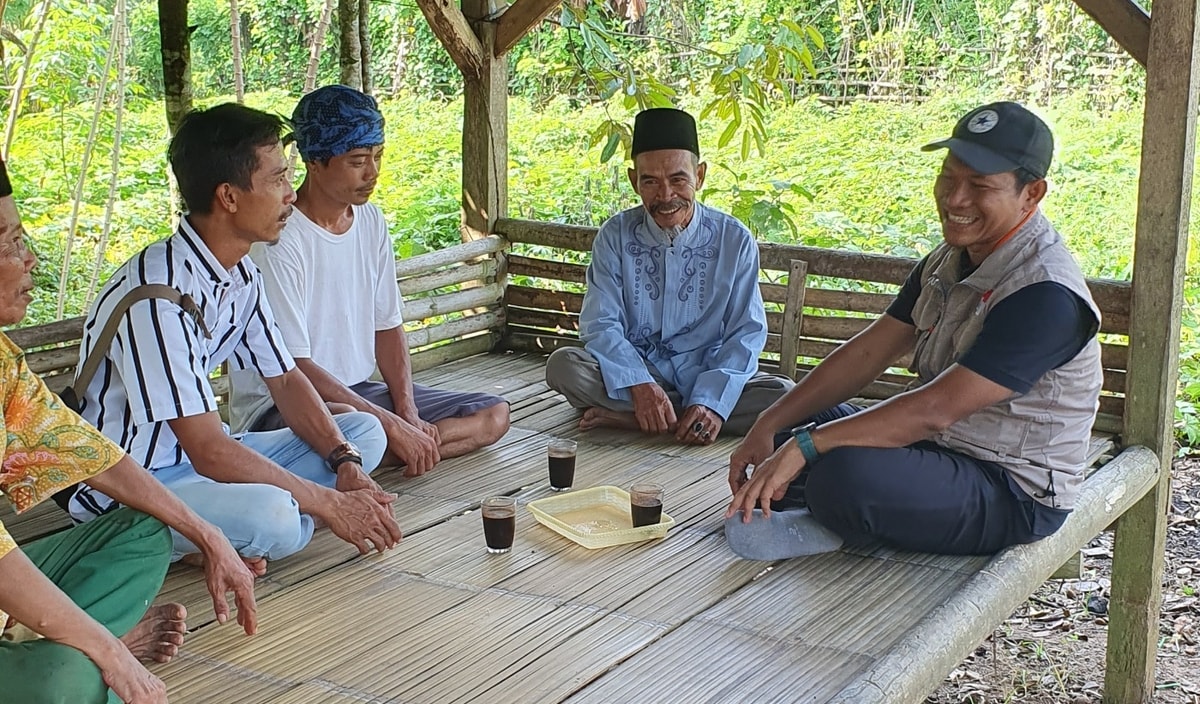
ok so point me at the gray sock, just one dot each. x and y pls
(785, 534)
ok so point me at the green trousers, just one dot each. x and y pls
(112, 567)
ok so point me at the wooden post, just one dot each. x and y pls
(175, 40)
(793, 317)
(1164, 195)
(485, 130)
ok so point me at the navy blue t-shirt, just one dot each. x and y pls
(1038, 328)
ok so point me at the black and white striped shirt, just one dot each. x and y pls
(157, 368)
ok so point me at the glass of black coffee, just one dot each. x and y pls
(499, 522)
(645, 504)
(561, 455)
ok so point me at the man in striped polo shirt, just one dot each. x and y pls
(339, 343)
(151, 393)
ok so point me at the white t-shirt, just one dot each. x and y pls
(330, 294)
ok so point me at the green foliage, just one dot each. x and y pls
(275, 45)
(781, 158)
(747, 75)
(1047, 48)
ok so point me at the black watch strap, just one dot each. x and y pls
(343, 453)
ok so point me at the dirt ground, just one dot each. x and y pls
(1051, 650)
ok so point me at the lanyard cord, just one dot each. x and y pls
(1011, 232)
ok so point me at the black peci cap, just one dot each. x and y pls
(1001, 137)
(664, 128)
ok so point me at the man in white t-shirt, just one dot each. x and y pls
(331, 281)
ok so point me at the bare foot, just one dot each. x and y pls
(257, 565)
(596, 417)
(159, 634)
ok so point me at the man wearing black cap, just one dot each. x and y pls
(672, 321)
(987, 449)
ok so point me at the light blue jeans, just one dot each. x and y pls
(262, 520)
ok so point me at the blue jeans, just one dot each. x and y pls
(262, 520)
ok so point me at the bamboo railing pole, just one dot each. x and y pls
(19, 87)
(118, 118)
(314, 49)
(101, 92)
(235, 31)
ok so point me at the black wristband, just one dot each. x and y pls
(345, 452)
(344, 459)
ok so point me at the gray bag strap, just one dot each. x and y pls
(87, 370)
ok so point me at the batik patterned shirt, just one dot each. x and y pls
(46, 446)
(691, 306)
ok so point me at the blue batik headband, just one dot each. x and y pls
(333, 120)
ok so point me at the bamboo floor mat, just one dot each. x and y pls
(438, 620)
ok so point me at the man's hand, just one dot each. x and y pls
(770, 481)
(699, 425)
(652, 408)
(359, 518)
(415, 446)
(754, 449)
(130, 680)
(412, 417)
(224, 572)
(352, 477)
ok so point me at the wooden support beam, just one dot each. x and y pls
(1164, 196)
(793, 318)
(1125, 21)
(454, 32)
(517, 20)
(485, 131)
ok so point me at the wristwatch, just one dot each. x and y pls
(803, 436)
(345, 452)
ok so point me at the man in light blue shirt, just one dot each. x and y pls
(673, 320)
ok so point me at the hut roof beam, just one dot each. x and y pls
(453, 30)
(518, 19)
(1125, 21)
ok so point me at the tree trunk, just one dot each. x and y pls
(364, 44)
(235, 31)
(19, 88)
(318, 43)
(175, 38)
(350, 51)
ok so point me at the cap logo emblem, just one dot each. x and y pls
(983, 121)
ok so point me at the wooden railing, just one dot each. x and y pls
(453, 309)
(459, 302)
(542, 316)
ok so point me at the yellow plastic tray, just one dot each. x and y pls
(595, 518)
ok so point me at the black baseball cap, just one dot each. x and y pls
(1001, 137)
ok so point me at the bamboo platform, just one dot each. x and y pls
(681, 619)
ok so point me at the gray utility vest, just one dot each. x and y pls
(1040, 437)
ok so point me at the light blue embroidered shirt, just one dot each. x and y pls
(692, 308)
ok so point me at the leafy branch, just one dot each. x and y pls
(744, 80)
